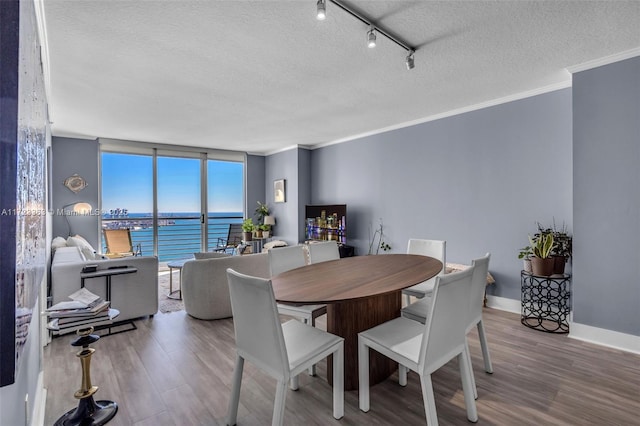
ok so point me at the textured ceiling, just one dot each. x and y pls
(260, 76)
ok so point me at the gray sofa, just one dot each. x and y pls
(205, 289)
(134, 295)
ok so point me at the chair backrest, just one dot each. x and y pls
(118, 240)
(478, 286)
(209, 255)
(432, 248)
(446, 323)
(324, 251)
(258, 331)
(282, 259)
(235, 234)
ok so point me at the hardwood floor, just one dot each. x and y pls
(176, 370)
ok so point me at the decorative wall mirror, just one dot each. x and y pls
(75, 183)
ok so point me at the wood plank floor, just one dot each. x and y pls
(176, 370)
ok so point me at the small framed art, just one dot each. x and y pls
(279, 194)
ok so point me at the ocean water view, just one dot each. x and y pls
(179, 233)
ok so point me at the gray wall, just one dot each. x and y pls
(606, 125)
(286, 165)
(255, 189)
(479, 180)
(79, 156)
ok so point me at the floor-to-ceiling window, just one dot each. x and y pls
(174, 201)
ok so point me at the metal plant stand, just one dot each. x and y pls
(88, 412)
(546, 302)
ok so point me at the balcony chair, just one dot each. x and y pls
(234, 237)
(432, 248)
(424, 348)
(281, 350)
(418, 311)
(119, 243)
(283, 259)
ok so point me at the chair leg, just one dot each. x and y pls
(465, 373)
(312, 369)
(294, 383)
(429, 400)
(402, 375)
(278, 405)
(363, 374)
(338, 382)
(485, 348)
(473, 377)
(407, 299)
(235, 391)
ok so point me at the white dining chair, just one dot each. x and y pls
(418, 311)
(424, 348)
(283, 259)
(323, 252)
(432, 248)
(280, 350)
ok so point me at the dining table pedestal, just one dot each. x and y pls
(345, 319)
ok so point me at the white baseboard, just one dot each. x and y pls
(604, 337)
(39, 403)
(503, 304)
(587, 333)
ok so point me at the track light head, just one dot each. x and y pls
(321, 10)
(410, 61)
(371, 38)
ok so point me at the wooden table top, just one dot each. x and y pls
(353, 278)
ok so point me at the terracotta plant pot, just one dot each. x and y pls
(247, 236)
(542, 267)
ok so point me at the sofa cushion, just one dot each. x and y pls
(58, 242)
(85, 248)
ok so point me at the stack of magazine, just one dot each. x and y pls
(84, 310)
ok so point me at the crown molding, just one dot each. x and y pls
(493, 102)
(621, 56)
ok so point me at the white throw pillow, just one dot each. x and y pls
(58, 242)
(87, 250)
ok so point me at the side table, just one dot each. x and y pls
(108, 274)
(176, 264)
(546, 302)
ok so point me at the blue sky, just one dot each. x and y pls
(127, 183)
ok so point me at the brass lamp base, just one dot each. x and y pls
(89, 413)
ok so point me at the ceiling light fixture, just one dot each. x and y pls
(371, 34)
(371, 38)
(322, 10)
(410, 61)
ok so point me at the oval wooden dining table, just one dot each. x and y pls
(360, 292)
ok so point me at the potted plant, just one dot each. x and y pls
(561, 251)
(261, 211)
(562, 246)
(541, 245)
(525, 254)
(247, 229)
(266, 229)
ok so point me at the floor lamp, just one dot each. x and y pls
(79, 208)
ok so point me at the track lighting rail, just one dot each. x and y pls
(379, 30)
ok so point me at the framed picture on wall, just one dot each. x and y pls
(279, 194)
